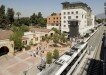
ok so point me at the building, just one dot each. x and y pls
(54, 21)
(76, 18)
(35, 35)
(6, 46)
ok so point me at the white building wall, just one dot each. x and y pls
(73, 17)
(93, 20)
(82, 18)
(51, 26)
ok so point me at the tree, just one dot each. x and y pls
(16, 37)
(49, 58)
(24, 28)
(18, 14)
(55, 38)
(3, 22)
(41, 22)
(40, 15)
(15, 28)
(25, 21)
(33, 19)
(56, 54)
(63, 38)
(10, 15)
(56, 31)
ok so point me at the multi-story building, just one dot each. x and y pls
(76, 18)
(54, 21)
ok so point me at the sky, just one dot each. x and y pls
(28, 7)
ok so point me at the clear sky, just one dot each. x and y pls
(27, 7)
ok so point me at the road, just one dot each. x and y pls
(94, 45)
(95, 42)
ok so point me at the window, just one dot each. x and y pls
(68, 13)
(54, 18)
(49, 18)
(56, 24)
(64, 13)
(76, 12)
(57, 21)
(76, 16)
(24, 42)
(64, 25)
(69, 17)
(64, 21)
(57, 17)
(72, 12)
(64, 17)
(54, 21)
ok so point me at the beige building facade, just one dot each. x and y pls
(6, 46)
(54, 21)
(35, 35)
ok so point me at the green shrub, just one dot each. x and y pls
(27, 47)
(49, 58)
(56, 54)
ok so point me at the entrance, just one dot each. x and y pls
(3, 50)
(73, 28)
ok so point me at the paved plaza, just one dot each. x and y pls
(18, 64)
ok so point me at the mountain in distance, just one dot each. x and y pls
(101, 16)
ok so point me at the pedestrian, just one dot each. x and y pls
(34, 54)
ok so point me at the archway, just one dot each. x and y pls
(4, 50)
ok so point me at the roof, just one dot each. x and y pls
(28, 33)
(78, 3)
(40, 30)
(63, 59)
(5, 34)
(24, 38)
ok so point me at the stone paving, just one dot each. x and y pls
(25, 61)
(16, 65)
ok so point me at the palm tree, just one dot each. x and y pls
(18, 14)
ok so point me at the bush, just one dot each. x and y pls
(56, 54)
(49, 58)
(34, 44)
(27, 47)
(92, 30)
(87, 35)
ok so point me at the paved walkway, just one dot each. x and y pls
(16, 65)
(23, 61)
